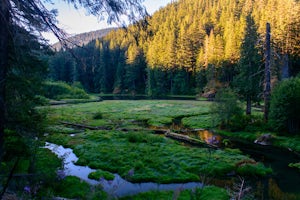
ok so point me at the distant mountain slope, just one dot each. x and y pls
(84, 38)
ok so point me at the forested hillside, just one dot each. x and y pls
(83, 38)
(189, 47)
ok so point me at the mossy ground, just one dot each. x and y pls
(151, 157)
(123, 113)
(277, 140)
(207, 193)
(139, 155)
(101, 174)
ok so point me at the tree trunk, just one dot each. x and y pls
(4, 35)
(248, 108)
(267, 90)
(285, 67)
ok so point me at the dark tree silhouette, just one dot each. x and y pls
(34, 17)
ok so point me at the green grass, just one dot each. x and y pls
(121, 113)
(101, 174)
(74, 188)
(199, 121)
(207, 193)
(152, 157)
(292, 142)
(295, 165)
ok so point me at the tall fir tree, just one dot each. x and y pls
(248, 80)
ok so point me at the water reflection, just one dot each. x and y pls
(118, 187)
(69, 158)
(205, 135)
(209, 137)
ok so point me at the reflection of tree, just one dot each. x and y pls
(209, 137)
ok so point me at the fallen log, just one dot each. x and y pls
(166, 132)
(73, 101)
(187, 139)
(83, 126)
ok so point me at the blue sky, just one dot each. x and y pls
(77, 21)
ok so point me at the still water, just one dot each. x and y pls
(116, 188)
(285, 179)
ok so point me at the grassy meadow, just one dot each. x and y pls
(124, 144)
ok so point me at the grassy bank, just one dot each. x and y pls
(207, 193)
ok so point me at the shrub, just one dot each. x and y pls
(61, 90)
(226, 109)
(284, 108)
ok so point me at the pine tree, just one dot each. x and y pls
(248, 81)
(33, 16)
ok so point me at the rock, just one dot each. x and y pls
(264, 139)
(210, 95)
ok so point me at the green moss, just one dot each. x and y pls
(213, 192)
(60, 129)
(207, 193)
(200, 121)
(47, 163)
(295, 165)
(248, 136)
(98, 115)
(287, 142)
(253, 169)
(46, 166)
(157, 113)
(72, 187)
(101, 174)
(152, 157)
(60, 139)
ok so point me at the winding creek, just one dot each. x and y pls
(118, 187)
(286, 179)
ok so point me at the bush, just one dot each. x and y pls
(61, 90)
(226, 109)
(284, 107)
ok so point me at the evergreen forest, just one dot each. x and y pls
(189, 47)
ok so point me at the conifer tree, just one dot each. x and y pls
(33, 16)
(248, 81)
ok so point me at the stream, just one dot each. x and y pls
(118, 187)
(286, 178)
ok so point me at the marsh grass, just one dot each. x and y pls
(295, 165)
(284, 142)
(202, 121)
(141, 156)
(153, 157)
(74, 188)
(206, 193)
(97, 175)
(156, 113)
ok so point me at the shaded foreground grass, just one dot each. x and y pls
(207, 193)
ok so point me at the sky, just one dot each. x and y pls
(78, 21)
